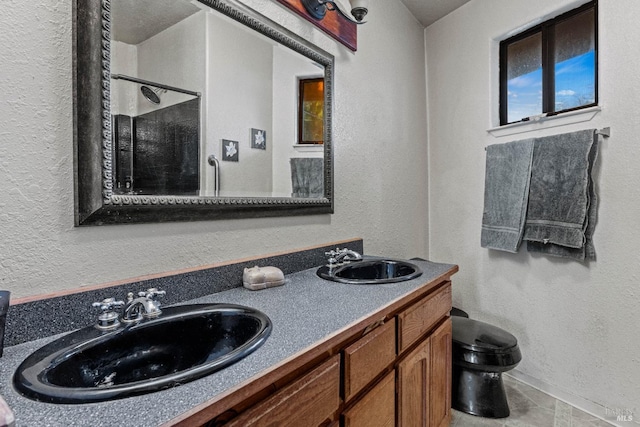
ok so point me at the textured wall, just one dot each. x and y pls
(184, 43)
(380, 160)
(239, 97)
(576, 323)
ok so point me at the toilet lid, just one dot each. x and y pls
(479, 336)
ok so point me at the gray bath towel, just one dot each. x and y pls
(508, 168)
(587, 250)
(562, 202)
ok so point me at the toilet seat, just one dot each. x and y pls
(479, 336)
(481, 344)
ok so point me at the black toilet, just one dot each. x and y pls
(481, 353)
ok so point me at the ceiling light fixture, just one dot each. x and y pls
(318, 9)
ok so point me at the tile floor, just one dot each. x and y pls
(531, 408)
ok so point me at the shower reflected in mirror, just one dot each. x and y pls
(155, 147)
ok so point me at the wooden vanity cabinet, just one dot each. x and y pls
(393, 371)
(420, 368)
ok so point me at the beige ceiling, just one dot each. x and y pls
(429, 11)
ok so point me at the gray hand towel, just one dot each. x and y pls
(307, 177)
(562, 200)
(508, 168)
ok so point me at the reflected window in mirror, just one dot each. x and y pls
(311, 111)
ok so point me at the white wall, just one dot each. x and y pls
(240, 92)
(182, 43)
(380, 160)
(576, 323)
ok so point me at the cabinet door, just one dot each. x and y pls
(377, 407)
(440, 373)
(414, 387)
(308, 401)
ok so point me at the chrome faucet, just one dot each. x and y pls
(342, 256)
(145, 306)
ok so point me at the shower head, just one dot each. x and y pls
(151, 95)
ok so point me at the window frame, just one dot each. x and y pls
(301, 98)
(546, 29)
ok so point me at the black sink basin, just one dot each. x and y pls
(185, 343)
(371, 272)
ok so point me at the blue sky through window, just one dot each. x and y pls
(575, 86)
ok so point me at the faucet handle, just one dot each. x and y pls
(331, 257)
(108, 304)
(108, 319)
(152, 293)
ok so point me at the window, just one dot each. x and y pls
(311, 111)
(551, 68)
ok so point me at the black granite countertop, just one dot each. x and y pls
(305, 312)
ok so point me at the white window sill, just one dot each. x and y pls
(571, 117)
(309, 148)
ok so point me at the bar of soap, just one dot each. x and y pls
(257, 278)
(7, 418)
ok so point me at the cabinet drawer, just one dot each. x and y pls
(376, 408)
(418, 319)
(307, 401)
(365, 359)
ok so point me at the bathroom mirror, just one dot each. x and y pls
(188, 110)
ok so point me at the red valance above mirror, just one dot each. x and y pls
(334, 24)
